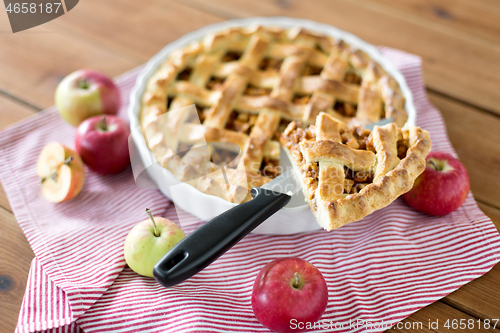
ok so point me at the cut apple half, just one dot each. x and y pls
(61, 171)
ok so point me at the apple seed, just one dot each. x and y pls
(68, 160)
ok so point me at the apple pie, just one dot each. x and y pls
(248, 84)
(348, 173)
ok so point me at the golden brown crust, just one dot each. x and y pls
(385, 140)
(254, 148)
(330, 151)
(391, 176)
(385, 190)
(324, 70)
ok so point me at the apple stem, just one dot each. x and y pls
(296, 284)
(148, 211)
(82, 84)
(433, 165)
(68, 160)
(104, 125)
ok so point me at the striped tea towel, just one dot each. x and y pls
(379, 270)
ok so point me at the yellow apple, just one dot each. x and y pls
(86, 93)
(149, 241)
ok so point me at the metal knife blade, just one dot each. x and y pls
(287, 183)
(379, 123)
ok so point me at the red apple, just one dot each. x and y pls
(61, 172)
(86, 93)
(441, 188)
(102, 142)
(288, 293)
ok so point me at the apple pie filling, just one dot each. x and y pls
(215, 83)
(270, 64)
(243, 122)
(231, 56)
(356, 138)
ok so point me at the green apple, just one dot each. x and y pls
(86, 93)
(149, 241)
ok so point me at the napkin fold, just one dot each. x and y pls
(379, 270)
(79, 243)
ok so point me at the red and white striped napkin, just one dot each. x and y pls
(378, 270)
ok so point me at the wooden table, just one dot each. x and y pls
(459, 42)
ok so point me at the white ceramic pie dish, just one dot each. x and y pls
(296, 217)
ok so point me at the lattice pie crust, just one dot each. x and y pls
(347, 174)
(248, 84)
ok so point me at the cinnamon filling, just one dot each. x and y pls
(312, 70)
(270, 64)
(352, 78)
(252, 90)
(345, 109)
(402, 145)
(185, 74)
(358, 138)
(270, 168)
(241, 122)
(215, 83)
(301, 99)
(223, 157)
(169, 101)
(356, 181)
(231, 56)
(202, 113)
(290, 139)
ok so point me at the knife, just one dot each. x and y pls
(217, 236)
(379, 123)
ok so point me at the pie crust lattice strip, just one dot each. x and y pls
(248, 84)
(347, 174)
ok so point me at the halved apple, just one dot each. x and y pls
(61, 171)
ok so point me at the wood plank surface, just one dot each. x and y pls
(438, 314)
(480, 18)
(15, 260)
(15, 252)
(124, 45)
(479, 298)
(459, 41)
(475, 135)
(150, 25)
(33, 62)
(456, 63)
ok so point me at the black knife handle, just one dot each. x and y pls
(214, 238)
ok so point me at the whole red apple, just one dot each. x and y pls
(102, 142)
(287, 294)
(441, 188)
(86, 93)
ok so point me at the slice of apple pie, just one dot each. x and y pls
(348, 173)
